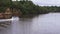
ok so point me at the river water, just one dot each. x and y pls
(42, 24)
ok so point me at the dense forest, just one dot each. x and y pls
(27, 7)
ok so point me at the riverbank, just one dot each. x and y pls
(26, 9)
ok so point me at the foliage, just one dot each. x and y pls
(27, 7)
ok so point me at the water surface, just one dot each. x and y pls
(42, 24)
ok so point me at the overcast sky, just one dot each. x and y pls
(47, 2)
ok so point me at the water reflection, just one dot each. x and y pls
(5, 27)
(47, 24)
(42, 24)
(21, 26)
(5, 24)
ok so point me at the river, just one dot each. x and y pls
(42, 24)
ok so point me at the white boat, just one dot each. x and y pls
(11, 19)
(3, 20)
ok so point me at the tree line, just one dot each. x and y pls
(27, 7)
